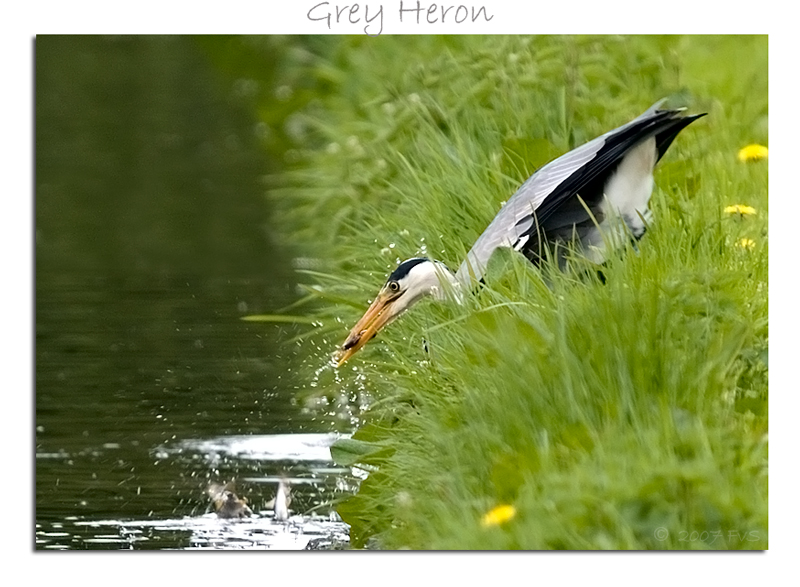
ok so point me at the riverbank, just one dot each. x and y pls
(549, 411)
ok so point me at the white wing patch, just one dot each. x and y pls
(625, 202)
(521, 242)
(628, 191)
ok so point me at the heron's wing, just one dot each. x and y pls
(549, 187)
(516, 215)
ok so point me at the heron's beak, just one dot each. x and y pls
(378, 315)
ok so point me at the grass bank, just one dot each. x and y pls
(549, 411)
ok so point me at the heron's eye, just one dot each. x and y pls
(394, 286)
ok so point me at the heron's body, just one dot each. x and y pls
(611, 175)
(594, 196)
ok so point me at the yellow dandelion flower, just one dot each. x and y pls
(740, 209)
(753, 153)
(746, 243)
(499, 515)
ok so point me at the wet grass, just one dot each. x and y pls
(630, 415)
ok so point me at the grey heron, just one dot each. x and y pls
(593, 196)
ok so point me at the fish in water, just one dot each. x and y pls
(227, 504)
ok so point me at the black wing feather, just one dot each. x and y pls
(664, 124)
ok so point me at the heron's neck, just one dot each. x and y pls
(449, 288)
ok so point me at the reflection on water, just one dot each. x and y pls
(276, 447)
(312, 523)
(151, 244)
(209, 532)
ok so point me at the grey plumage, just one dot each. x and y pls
(545, 211)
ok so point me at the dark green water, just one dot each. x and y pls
(152, 241)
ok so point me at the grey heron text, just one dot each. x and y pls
(369, 18)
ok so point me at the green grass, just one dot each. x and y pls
(630, 415)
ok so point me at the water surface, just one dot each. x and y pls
(152, 241)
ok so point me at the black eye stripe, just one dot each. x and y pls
(404, 267)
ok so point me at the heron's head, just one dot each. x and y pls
(410, 282)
